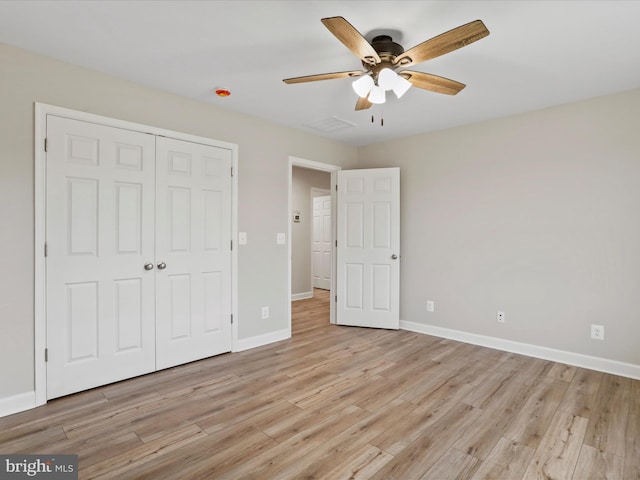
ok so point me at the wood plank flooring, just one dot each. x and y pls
(347, 403)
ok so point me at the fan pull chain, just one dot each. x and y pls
(381, 120)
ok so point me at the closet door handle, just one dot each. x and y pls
(148, 266)
(162, 266)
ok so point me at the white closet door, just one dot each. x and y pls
(321, 248)
(100, 234)
(193, 241)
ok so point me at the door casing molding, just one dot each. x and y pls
(40, 203)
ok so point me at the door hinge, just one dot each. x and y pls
(336, 187)
(232, 171)
(336, 243)
(46, 250)
(231, 245)
(46, 145)
(46, 354)
(336, 299)
(232, 319)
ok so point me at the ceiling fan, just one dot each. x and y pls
(383, 58)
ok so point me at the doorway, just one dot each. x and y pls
(307, 180)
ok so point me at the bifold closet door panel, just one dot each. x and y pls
(193, 251)
(100, 234)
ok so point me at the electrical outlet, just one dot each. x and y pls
(430, 306)
(242, 238)
(280, 239)
(597, 332)
(500, 317)
(265, 313)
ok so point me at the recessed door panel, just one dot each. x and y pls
(129, 157)
(82, 150)
(82, 321)
(354, 279)
(82, 219)
(381, 225)
(179, 219)
(213, 302)
(180, 306)
(354, 225)
(381, 287)
(128, 219)
(212, 209)
(128, 311)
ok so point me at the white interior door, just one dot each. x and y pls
(99, 234)
(368, 252)
(193, 251)
(321, 247)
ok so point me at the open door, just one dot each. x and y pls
(368, 251)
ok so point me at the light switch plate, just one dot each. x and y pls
(242, 238)
(280, 239)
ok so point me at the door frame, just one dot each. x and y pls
(322, 192)
(333, 170)
(40, 202)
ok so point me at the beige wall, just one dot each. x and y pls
(303, 180)
(537, 215)
(264, 151)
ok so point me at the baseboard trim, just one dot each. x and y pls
(17, 403)
(570, 358)
(301, 296)
(261, 340)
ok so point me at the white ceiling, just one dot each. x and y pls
(539, 54)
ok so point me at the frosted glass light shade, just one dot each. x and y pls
(377, 95)
(387, 78)
(363, 85)
(401, 86)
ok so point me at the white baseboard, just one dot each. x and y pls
(17, 403)
(301, 296)
(570, 358)
(260, 340)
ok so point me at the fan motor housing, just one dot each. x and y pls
(387, 49)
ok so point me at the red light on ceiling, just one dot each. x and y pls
(222, 92)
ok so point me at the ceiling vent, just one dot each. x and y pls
(331, 124)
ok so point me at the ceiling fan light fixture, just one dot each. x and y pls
(387, 78)
(377, 95)
(363, 85)
(401, 86)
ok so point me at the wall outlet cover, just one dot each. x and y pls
(597, 332)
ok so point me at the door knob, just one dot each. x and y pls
(162, 266)
(394, 257)
(148, 266)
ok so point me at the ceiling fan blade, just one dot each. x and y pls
(363, 103)
(352, 39)
(432, 83)
(323, 76)
(447, 42)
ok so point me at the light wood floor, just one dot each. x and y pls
(347, 403)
